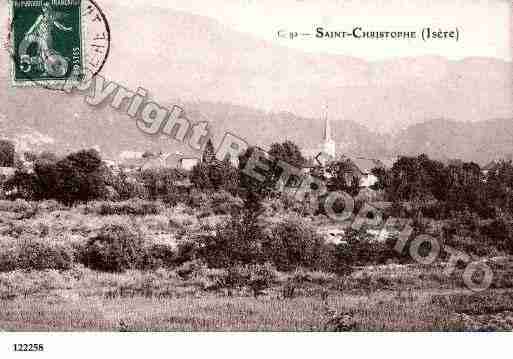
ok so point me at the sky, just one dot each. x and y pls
(485, 26)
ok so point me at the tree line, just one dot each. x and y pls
(442, 188)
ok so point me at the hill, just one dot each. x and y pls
(217, 74)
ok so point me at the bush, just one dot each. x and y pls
(161, 255)
(116, 249)
(160, 183)
(243, 241)
(500, 232)
(17, 206)
(295, 244)
(187, 249)
(133, 207)
(7, 153)
(359, 248)
(211, 279)
(317, 277)
(198, 199)
(50, 205)
(79, 177)
(258, 277)
(236, 242)
(190, 268)
(215, 176)
(35, 255)
(175, 196)
(465, 232)
(214, 203)
(127, 187)
(224, 203)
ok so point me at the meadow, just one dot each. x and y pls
(46, 285)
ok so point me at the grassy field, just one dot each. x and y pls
(393, 297)
(135, 301)
(212, 313)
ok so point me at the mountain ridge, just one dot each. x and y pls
(223, 76)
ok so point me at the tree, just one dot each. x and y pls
(200, 176)
(23, 185)
(465, 189)
(160, 183)
(223, 176)
(81, 177)
(289, 153)
(47, 174)
(382, 175)
(416, 178)
(254, 190)
(7, 151)
(209, 155)
(344, 176)
(43, 183)
(213, 175)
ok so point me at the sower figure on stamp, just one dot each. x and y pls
(41, 33)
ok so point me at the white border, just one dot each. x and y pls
(261, 345)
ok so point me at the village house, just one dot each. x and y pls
(360, 167)
(160, 161)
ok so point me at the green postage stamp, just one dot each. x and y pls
(46, 41)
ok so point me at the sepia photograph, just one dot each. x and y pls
(253, 166)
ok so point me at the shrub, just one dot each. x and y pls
(215, 176)
(35, 255)
(132, 207)
(175, 196)
(50, 205)
(286, 201)
(465, 232)
(197, 199)
(7, 153)
(181, 219)
(295, 244)
(288, 290)
(127, 187)
(256, 277)
(340, 322)
(359, 248)
(236, 242)
(259, 277)
(79, 177)
(211, 278)
(500, 232)
(21, 283)
(160, 183)
(224, 203)
(317, 277)
(187, 269)
(116, 249)
(17, 206)
(161, 255)
(243, 241)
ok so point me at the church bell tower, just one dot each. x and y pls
(328, 146)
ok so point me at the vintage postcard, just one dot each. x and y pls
(255, 166)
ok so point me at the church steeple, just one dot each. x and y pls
(329, 144)
(327, 126)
